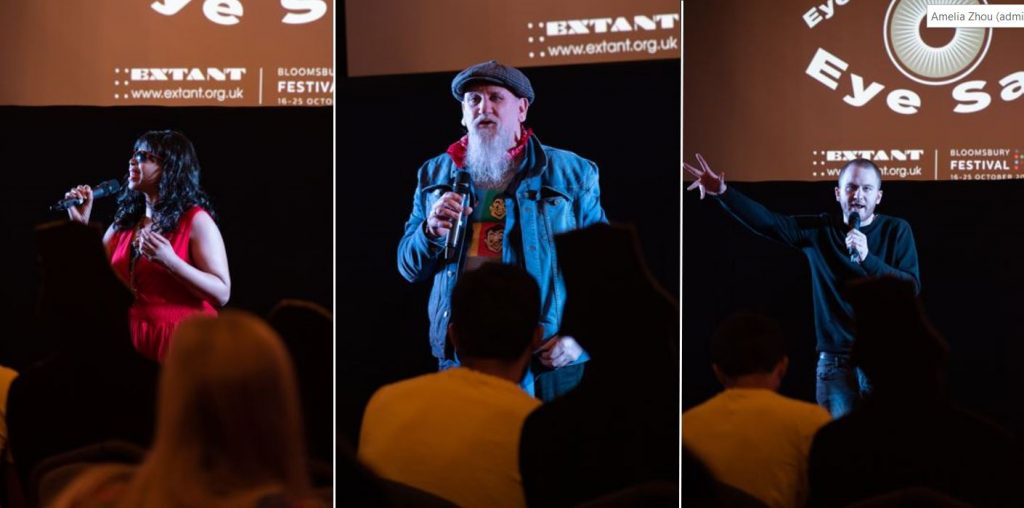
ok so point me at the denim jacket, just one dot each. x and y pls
(554, 191)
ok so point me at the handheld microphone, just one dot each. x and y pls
(854, 222)
(99, 191)
(462, 180)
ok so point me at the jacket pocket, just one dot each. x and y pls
(557, 206)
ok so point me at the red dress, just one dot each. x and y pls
(161, 300)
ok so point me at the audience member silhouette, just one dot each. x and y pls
(750, 436)
(357, 485)
(229, 430)
(306, 330)
(95, 387)
(908, 433)
(620, 426)
(7, 376)
(455, 433)
(913, 497)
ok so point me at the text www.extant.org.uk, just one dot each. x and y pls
(198, 93)
(887, 171)
(650, 46)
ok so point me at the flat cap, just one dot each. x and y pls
(493, 72)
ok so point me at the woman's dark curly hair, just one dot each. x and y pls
(179, 183)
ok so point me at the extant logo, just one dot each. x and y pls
(229, 12)
(187, 74)
(913, 154)
(606, 25)
(921, 62)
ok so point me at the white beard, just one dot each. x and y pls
(487, 158)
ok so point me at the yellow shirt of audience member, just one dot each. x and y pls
(454, 434)
(757, 441)
(7, 376)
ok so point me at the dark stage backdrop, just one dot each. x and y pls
(623, 116)
(969, 241)
(268, 172)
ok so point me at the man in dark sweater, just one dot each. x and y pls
(838, 251)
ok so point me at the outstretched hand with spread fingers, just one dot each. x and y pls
(707, 182)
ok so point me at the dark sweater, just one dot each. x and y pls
(822, 238)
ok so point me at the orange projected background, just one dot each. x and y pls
(408, 36)
(791, 90)
(167, 52)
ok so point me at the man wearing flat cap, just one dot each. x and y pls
(521, 192)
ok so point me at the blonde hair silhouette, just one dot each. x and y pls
(229, 430)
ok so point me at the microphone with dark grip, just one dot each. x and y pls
(854, 223)
(458, 230)
(99, 191)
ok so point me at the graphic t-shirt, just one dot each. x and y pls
(488, 234)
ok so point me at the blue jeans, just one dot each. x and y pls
(553, 383)
(841, 386)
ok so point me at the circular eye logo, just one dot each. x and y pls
(919, 60)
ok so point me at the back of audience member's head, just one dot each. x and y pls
(82, 305)
(610, 294)
(228, 417)
(495, 312)
(896, 346)
(748, 344)
(306, 329)
(911, 497)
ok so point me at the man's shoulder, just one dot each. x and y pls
(552, 151)
(447, 380)
(760, 402)
(567, 171)
(405, 389)
(892, 221)
(822, 219)
(439, 166)
(562, 158)
(804, 410)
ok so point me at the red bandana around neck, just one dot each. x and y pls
(457, 150)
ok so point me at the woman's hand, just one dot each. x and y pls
(206, 273)
(81, 212)
(156, 248)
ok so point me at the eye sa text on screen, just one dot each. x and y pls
(970, 96)
(229, 12)
(823, 11)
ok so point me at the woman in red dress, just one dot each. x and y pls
(163, 244)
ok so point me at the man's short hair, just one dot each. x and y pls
(747, 344)
(863, 163)
(495, 310)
